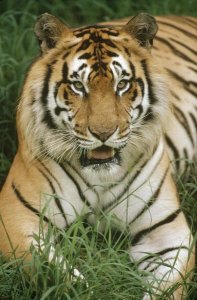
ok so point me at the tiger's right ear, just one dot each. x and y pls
(143, 28)
(48, 30)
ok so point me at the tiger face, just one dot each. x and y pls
(97, 93)
(98, 97)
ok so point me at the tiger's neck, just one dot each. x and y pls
(67, 188)
(132, 163)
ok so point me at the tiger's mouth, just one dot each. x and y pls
(100, 156)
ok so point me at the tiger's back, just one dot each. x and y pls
(176, 43)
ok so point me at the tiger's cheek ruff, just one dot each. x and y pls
(41, 123)
(51, 114)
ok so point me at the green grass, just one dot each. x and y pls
(103, 260)
(104, 264)
(18, 46)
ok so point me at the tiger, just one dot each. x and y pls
(105, 119)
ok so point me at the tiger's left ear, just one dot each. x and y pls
(48, 30)
(143, 28)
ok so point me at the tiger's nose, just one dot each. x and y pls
(103, 136)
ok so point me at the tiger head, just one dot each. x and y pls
(94, 95)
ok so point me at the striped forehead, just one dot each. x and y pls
(98, 51)
(81, 69)
(97, 33)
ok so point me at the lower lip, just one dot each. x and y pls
(86, 162)
(101, 153)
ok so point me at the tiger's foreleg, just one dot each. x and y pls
(20, 230)
(18, 243)
(25, 220)
(165, 254)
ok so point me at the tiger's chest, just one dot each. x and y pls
(130, 199)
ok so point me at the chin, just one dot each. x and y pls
(105, 172)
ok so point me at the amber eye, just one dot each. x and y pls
(78, 85)
(122, 84)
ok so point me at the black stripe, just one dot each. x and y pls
(166, 250)
(81, 33)
(87, 30)
(116, 63)
(104, 28)
(186, 160)
(117, 199)
(85, 56)
(111, 54)
(124, 73)
(170, 258)
(183, 121)
(75, 74)
(107, 42)
(183, 45)
(192, 69)
(45, 89)
(133, 178)
(132, 67)
(47, 119)
(143, 232)
(127, 173)
(65, 55)
(57, 201)
(174, 150)
(193, 120)
(33, 100)
(192, 21)
(56, 90)
(70, 118)
(27, 204)
(68, 163)
(149, 116)
(152, 97)
(140, 109)
(83, 198)
(156, 260)
(187, 33)
(174, 50)
(82, 67)
(183, 81)
(153, 198)
(58, 110)
(72, 46)
(186, 154)
(65, 74)
(159, 253)
(84, 181)
(174, 95)
(110, 32)
(84, 45)
(141, 85)
(49, 172)
(58, 83)
(127, 51)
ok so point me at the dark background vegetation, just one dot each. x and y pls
(18, 47)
